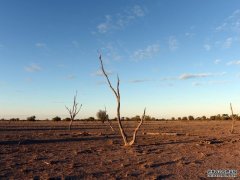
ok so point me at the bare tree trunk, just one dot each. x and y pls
(70, 125)
(117, 95)
(119, 120)
(233, 119)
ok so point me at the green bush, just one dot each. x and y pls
(190, 118)
(56, 118)
(91, 119)
(67, 119)
(102, 116)
(14, 119)
(31, 118)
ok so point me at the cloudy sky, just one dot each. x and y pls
(175, 58)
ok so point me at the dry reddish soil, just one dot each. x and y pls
(48, 150)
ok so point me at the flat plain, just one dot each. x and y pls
(163, 150)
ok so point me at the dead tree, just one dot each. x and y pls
(117, 95)
(233, 119)
(74, 111)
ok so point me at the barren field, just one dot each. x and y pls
(177, 150)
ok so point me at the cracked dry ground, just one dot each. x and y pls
(44, 150)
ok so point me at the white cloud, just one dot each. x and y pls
(231, 23)
(138, 11)
(207, 47)
(173, 43)
(106, 25)
(139, 80)
(40, 45)
(120, 20)
(111, 52)
(228, 42)
(199, 75)
(190, 76)
(148, 52)
(210, 83)
(236, 62)
(33, 68)
(217, 61)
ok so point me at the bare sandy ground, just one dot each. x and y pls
(44, 150)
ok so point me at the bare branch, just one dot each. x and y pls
(105, 74)
(136, 130)
(74, 111)
(233, 119)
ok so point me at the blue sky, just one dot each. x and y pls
(176, 58)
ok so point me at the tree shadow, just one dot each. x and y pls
(48, 129)
(167, 176)
(46, 141)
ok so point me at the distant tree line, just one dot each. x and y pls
(135, 118)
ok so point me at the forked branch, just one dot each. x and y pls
(117, 94)
(74, 111)
(136, 130)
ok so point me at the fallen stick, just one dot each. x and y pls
(164, 133)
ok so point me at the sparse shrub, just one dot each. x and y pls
(218, 117)
(56, 118)
(213, 118)
(184, 118)
(153, 119)
(136, 118)
(173, 119)
(147, 118)
(91, 119)
(31, 118)
(14, 119)
(128, 119)
(203, 118)
(114, 119)
(190, 118)
(226, 117)
(67, 119)
(102, 116)
(179, 118)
